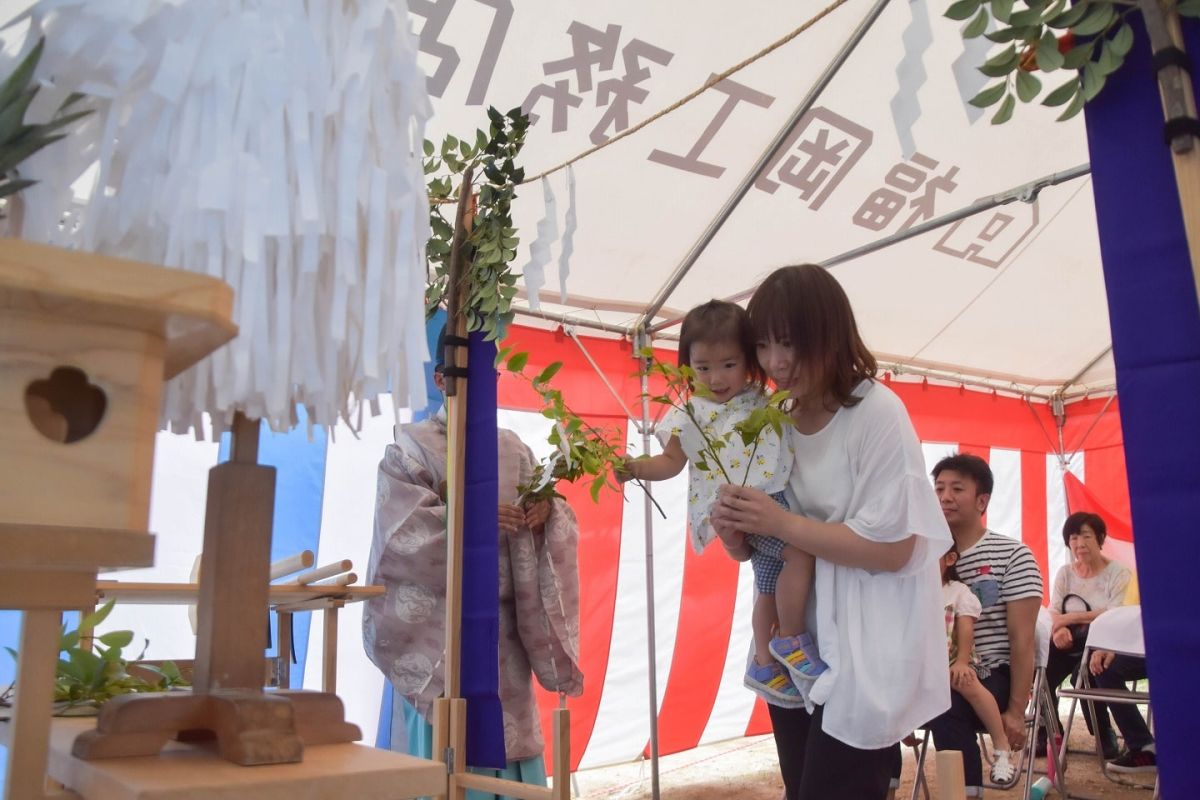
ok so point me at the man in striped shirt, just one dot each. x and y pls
(1004, 574)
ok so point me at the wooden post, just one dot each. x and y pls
(234, 567)
(284, 637)
(329, 652)
(562, 754)
(951, 783)
(33, 696)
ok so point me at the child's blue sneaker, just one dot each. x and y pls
(799, 655)
(770, 680)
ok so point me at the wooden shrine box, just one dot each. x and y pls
(86, 342)
(85, 345)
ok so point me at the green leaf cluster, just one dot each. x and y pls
(490, 284)
(681, 386)
(19, 141)
(1030, 33)
(90, 677)
(582, 452)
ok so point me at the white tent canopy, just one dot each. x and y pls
(1012, 296)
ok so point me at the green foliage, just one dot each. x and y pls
(682, 386)
(1040, 35)
(489, 284)
(19, 141)
(582, 451)
(90, 677)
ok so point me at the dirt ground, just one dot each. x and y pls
(748, 770)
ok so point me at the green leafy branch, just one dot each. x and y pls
(492, 243)
(19, 141)
(682, 386)
(90, 677)
(581, 450)
(1088, 39)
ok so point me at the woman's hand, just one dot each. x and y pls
(536, 515)
(749, 510)
(1063, 639)
(511, 518)
(1100, 661)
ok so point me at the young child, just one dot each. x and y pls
(962, 609)
(717, 343)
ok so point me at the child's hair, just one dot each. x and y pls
(719, 321)
(950, 573)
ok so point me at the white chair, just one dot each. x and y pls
(1120, 631)
(1039, 714)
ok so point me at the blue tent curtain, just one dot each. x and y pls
(1156, 344)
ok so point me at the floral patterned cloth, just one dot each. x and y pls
(404, 630)
(766, 467)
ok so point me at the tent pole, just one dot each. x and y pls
(641, 342)
(763, 161)
(1026, 192)
(564, 319)
(596, 368)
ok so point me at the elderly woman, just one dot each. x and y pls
(1083, 589)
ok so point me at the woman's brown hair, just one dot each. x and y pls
(806, 306)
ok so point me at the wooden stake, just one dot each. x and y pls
(951, 783)
(562, 754)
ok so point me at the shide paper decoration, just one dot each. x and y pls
(273, 144)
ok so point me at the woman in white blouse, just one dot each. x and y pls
(1090, 584)
(863, 506)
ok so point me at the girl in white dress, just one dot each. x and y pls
(715, 341)
(962, 610)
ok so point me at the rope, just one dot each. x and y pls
(715, 79)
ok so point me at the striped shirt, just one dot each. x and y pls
(998, 569)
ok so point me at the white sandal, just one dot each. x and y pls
(1003, 772)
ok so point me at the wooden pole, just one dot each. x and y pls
(456, 423)
(1179, 102)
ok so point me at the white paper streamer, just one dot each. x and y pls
(568, 238)
(539, 249)
(275, 145)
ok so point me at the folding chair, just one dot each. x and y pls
(1039, 714)
(1119, 630)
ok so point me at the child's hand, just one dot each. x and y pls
(961, 675)
(732, 539)
(625, 472)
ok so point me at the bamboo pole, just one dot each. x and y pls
(456, 423)
(1178, 101)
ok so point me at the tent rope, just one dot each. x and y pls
(713, 81)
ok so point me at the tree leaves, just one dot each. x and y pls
(1006, 110)
(989, 96)
(1040, 36)
(493, 240)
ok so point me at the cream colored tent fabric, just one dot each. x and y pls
(1013, 296)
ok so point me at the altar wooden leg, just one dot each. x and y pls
(33, 697)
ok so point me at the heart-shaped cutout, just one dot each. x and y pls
(66, 407)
